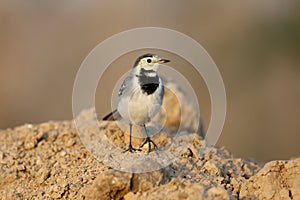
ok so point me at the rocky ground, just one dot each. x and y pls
(50, 161)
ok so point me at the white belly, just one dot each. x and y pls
(139, 108)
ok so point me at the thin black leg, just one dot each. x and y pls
(148, 140)
(130, 148)
(130, 127)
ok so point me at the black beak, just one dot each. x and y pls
(161, 61)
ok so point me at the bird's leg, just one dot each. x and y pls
(130, 148)
(148, 140)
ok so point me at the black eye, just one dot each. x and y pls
(149, 60)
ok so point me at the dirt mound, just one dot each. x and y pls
(48, 161)
(51, 161)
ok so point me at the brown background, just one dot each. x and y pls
(255, 44)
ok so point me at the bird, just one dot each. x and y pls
(140, 96)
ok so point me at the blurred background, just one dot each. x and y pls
(255, 44)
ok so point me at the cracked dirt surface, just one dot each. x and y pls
(276, 180)
(49, 161)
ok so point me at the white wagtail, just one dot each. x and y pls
(140, 96)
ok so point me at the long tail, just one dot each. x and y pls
(114, 115)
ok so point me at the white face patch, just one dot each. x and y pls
(148, 70)
(149, 63)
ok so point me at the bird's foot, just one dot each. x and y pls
(149, 141)
(131, 149)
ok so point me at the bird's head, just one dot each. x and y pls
(149, 62)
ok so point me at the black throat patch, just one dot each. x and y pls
(148, 83)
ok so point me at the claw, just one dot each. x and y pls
(131, 149)
(149, 141)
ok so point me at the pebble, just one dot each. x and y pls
(43, 175)
(70, 142)
(21, 167)
(29, 145)
(2, 157)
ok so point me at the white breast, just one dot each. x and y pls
(139, 108)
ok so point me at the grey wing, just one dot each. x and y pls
(125, 85)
